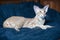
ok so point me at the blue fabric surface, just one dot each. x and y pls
(26, 10)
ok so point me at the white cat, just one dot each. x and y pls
(17, 22)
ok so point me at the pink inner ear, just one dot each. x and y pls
(36, 8)
(46, 8)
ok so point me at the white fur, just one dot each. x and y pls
(38, 20)
(17, 22)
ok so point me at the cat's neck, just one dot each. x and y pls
(39, 17)
(39, 20)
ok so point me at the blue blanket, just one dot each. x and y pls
(26, 10)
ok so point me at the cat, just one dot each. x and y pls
(38, 20)
(17, 22)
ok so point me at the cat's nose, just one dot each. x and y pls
(43, 17)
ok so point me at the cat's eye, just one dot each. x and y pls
(44, 11)
(40, 11)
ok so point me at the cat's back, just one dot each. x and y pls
(16, 19)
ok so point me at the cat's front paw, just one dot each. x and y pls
(45, 26)
(48, 26)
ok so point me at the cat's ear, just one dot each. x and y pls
(36, 9)
(46, 8)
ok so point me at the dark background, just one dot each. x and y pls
(55, 4)
(26, 10)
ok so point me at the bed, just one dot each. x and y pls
(26, 9)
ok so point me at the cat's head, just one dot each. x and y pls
(40, 11)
